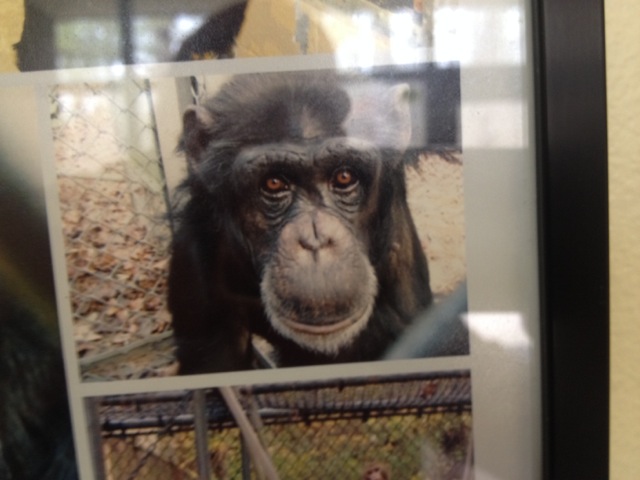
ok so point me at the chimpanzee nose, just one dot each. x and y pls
(314, 233)
(313, 241)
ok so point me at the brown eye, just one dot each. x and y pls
(344, 178)
(275, 185)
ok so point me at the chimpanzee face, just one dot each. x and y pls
(305, 216)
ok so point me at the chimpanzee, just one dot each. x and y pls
(296, 225)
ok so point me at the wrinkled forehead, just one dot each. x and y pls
(313, 154)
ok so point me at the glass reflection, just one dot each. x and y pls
(66, 34)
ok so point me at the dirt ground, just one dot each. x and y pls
(435, 191)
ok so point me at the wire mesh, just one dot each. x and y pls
(113, 205)
(412, 426)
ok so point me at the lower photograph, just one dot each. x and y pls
(404, 426)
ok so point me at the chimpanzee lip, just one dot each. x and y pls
(325, 328)
(320, 330)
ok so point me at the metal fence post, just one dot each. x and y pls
(246, 460)
(201, 432)
(95, 435)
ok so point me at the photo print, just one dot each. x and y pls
(411, 426)
(275, 219)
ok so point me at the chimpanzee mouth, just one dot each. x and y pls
(320, 315)
(326, 338)
(324, 328)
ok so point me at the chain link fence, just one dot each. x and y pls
(112, 196)
(411, 426)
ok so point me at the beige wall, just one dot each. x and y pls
(11, 16)
(623, 90)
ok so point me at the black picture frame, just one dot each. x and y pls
(571, 137)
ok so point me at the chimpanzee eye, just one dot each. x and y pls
(275, 184)
(343, 178)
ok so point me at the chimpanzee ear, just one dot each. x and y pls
(381, 114)
(197, 123)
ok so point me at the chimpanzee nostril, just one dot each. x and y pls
(314, 241)
(310, 244)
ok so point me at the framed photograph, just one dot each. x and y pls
(305, 238)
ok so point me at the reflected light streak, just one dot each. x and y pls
(185, 24)
(497, 124)
(84, 160)
(111, 73)
(118, 70)
(406, 38)
(504, 328)
(358, 42)
(478, 35)
(357, 49)
(365, 39)
(471, 36)
(445, 33)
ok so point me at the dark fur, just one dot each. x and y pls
(216, 36)
(226, 243)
